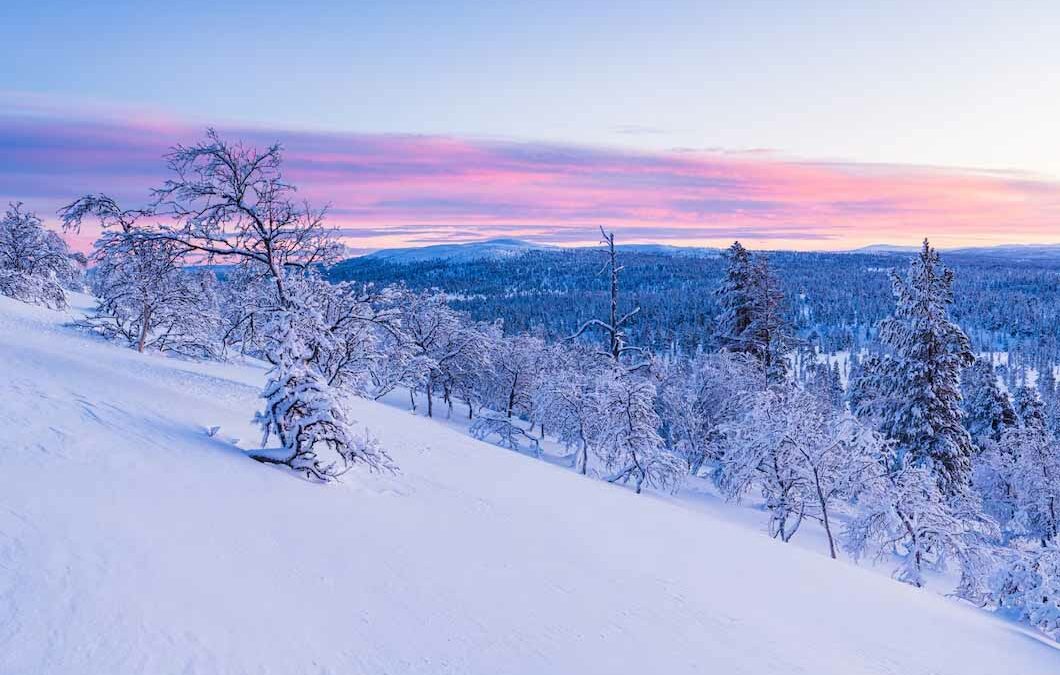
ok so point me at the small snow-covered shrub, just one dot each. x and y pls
(304, 412)
(510, 434)
(35, 262)
(1026, 585)
(32, 289)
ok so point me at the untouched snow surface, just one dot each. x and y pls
(133, 542)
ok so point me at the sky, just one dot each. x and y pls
(809, 125)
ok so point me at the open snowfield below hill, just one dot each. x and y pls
(133, 542)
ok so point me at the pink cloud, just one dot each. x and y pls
(394, 190)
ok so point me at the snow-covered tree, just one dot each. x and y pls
(993, 475)
(510, 434)
(463, 363)
(1029, 407)
(912, 391)
(1046, 383)
(441, 340)
(627, 436)
(245, 297)
(565, 400)
(516, 363)
(825, 382)
(1026, 584)
(356, 319)
(302, 411)
(902, 511)
(698, 397)
(145, 297)
(735, 299)
(769, 334)
(986, 408)
(1034, 471)
(230, 202)
(35, 263)
(803, 454)
(752, 319)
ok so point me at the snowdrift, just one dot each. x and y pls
(132, 541)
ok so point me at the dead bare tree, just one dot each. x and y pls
(614, 327)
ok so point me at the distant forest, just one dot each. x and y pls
(1005, 302)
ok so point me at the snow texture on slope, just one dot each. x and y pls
(131, 541)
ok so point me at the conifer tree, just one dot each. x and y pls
(913, 389)
(987, 410)
(752, 319)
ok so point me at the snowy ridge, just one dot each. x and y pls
(490, 248)
(503, 248)
(131, 541)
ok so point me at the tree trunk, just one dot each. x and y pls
(584, 456)
(824, 514)
(143, 330)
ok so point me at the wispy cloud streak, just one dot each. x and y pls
(395, 190)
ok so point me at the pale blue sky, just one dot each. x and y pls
(943, 83)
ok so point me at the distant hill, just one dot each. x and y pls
(1013, 252)
(693, 251)
(1008, 251)
(477, 250)
(885, 248)
(508, 247)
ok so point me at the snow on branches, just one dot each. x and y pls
(752, 319)
(304, 412)
(628, 438)
(803, 455)
(35, 263)
(911, 391)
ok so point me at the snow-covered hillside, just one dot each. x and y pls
(489, 248)
(133, 542)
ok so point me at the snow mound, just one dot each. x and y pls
(133, 542)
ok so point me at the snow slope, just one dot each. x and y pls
(133, 542)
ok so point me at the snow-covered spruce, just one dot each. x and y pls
(752, 319)
(911, 390)
(986, 409)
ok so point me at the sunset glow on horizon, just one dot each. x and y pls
(389, 190)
